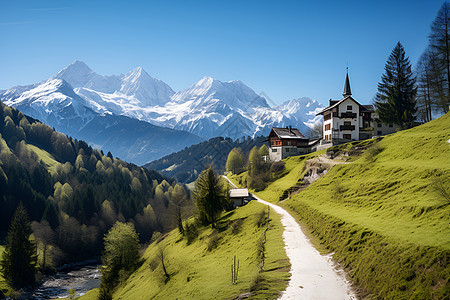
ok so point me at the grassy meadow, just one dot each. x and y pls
(385, 214)
(202, 269)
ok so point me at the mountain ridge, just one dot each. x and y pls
(207, 109)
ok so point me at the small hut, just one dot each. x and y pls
(239, 197)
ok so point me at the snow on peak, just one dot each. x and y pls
(146, 89)
(208, 107)
(77, 74)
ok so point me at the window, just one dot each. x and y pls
(379, 125)
(289, 143)
(347, 136)
(349, 107)
(347, 123)
(274, 150)
(327, 127)
(287, 149)
(327, 117)
(379, 132)
(391, 125)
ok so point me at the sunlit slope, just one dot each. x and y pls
(394, 188)
(385, 213)
(197, 272)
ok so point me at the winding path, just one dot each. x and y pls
(313, 276)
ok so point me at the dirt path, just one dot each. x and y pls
(313, 276)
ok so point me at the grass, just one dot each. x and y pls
(197, 273)
(383, 214)
(294, 169)
(48, 159)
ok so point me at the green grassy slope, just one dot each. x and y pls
(4, 287)
(197, 273)
(383, 214)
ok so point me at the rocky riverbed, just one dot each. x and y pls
(81, 279)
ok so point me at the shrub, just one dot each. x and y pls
(373, 151)
(214, 240)
(191, 231)
(277, 167)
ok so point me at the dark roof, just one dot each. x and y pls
(337, 104)
(288, 133)
(368, 108)
(347, 90)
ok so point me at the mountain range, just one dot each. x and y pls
(140, 118)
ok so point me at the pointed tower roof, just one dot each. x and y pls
(347, 90)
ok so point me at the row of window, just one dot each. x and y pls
(278, 143)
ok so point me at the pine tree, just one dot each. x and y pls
(395, 100)
(210, 196)
(19, 259)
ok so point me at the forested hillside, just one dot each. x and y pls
(72, 192)
(186, 164)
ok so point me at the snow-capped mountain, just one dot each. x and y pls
(208, 108)
(117, 93)
(55, 103)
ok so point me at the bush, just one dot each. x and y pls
(373, 151)
(262, 219)
(191, 231)
(236, 226)
(214, 240)
(277, 167)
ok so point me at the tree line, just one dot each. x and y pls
(187, 164)
(403, 96)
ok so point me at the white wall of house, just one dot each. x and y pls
(326, 124)
(383, 129)
(347, 106)
(281, 152)
(275, 153)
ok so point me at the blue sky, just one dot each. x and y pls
(286, 49)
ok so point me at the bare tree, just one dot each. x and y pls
(178, 200)
(316, 131)
(45, 238)
(424, 85)
(162, 253)
(439, 40)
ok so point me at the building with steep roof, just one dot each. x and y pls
(347, 120)
(284, 142)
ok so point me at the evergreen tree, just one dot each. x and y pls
(19, 259)
(395, 100)
(210, 196)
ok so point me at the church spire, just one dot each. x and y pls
(347, 90)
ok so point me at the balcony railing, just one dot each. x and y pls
(347, 127)
(348, 115)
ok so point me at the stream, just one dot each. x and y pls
(81, 279)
